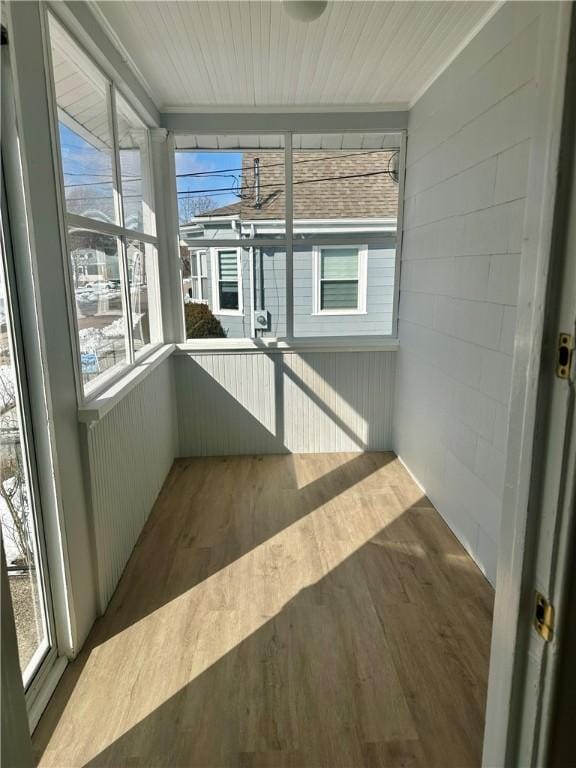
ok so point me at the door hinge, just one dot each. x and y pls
(564, 355)
(543, 617)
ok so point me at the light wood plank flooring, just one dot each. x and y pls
(296, 611)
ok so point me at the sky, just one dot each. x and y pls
(85, 166)
(211, 163)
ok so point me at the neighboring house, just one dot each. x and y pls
(338, 290)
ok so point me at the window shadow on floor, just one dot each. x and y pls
(333, 639)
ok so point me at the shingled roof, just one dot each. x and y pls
(317, 194)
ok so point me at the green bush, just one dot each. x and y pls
(201, 323)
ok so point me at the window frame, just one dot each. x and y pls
(215, 273)
(361, 280)
(289, 241)
(87, 391)
(197, 253)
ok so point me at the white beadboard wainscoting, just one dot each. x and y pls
(280, 401)
(129, 454)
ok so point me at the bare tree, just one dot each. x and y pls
(192, 205)
(13, 487)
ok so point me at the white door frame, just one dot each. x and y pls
(514, 715)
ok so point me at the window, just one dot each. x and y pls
(197, 289)
(315, 258)
(340, 280)
(228, 281)
(20, 513)
(112, 248)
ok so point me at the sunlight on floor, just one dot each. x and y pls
(263, 591)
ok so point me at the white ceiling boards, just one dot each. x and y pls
(240, 55)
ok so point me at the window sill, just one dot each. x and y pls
(98, 406)
(270, 345)
(229, 313)
(338, 313)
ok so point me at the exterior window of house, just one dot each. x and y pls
(340, 280)
(228, 281)
(198, 276)
(104, 158)
(317, 254)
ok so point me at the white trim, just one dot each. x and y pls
(266, 345)
(513, 693)
(45, 691)
(109, 30)
(399, 234)
(457, 51)
(196, 254)
(108, 228)
(97, 407)
(362, 280)
(214, 254)
(307, 109)
(119, 231)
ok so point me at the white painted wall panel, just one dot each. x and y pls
(284, 402)
(469, 143)
(130, 452)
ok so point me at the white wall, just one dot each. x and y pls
(255, 402)
(129, 453)
(469, 141)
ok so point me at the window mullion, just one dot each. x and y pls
(116, 173)
(126, 298)
(289, 213)
(117, 185)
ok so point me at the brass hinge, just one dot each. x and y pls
(564, 355)
(544, 617)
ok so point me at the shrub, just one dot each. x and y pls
(201, 323)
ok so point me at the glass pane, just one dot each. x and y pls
(142, 268)
(345, 193)
(345, 185)
(100, 307)
(339, 263)
(19, 528)
(134, 169)
(228, 264)
(256, 295)
(84, 126)
(229, 295)
(230, 187)
(339, 295)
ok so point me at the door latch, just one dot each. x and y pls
(543, 617)
(564, 355)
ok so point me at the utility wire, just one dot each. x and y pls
(226, 171)
(279, 187)
(295, 162)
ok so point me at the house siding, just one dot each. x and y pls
(378, 319)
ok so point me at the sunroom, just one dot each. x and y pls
(286, 324)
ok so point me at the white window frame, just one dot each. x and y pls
(362, 255)
(253, 125)
(195, 253)
(215, 272)
(85, 392)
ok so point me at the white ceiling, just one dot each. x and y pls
(252, 54)
(314, 141)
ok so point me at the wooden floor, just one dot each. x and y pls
(293, 611)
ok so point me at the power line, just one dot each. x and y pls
(229, 191)
(294, 183)
(294, 162)
(225, 172)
